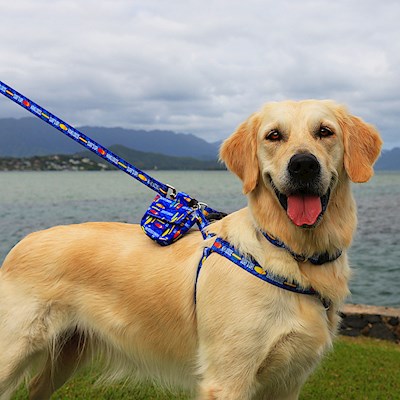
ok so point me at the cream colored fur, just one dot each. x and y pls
(71, 293)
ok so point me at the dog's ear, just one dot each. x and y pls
(362, 146)
(239, 152)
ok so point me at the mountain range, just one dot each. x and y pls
(27, 137)
(147, 160)
(389, 160)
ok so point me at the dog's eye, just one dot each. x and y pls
(274, 135)
(325, 132)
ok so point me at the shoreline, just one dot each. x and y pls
(370, 321)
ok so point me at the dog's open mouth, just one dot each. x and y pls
(304, 210)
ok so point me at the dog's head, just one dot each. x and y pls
(300, 151)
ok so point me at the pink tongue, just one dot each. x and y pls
(304, 210)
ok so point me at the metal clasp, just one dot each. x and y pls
(171, 192)
(300, 258)
(201, 205)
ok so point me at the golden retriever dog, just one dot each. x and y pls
(72, 293)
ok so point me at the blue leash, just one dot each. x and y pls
(162, 189)
(85, 141)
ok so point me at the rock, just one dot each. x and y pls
(355, 321)
(373, 319)
(350, 332)
(393, 321)
(381, 331)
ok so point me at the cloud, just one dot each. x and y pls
(199, 67)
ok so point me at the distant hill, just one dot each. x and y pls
(87, 161)
(389, 160)
(29, 136)
(144, 160)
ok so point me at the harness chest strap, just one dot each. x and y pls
(225, 249)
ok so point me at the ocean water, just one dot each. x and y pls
(30, 201)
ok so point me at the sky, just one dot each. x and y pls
(200, 67)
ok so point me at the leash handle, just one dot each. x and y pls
(40, 112)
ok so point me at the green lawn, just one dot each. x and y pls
(362, 369)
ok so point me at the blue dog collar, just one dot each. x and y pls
(316, 259)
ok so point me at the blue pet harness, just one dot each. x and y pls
(173, 213)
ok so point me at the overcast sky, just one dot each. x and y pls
(200, 66)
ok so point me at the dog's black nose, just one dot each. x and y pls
(304, 167)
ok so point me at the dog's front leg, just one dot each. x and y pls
(230, 354)
(228, 372)
(214, 389)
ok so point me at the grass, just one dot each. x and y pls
(359, 369)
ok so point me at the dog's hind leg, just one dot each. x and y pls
(59, 367)
(27, 330)
(19, 352)
(15, 360)
(19, 347)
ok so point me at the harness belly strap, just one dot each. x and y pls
(249, 264)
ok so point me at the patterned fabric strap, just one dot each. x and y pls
(225, 249)
(316, 259)
(84, 140)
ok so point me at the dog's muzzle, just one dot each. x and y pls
(303, 199)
